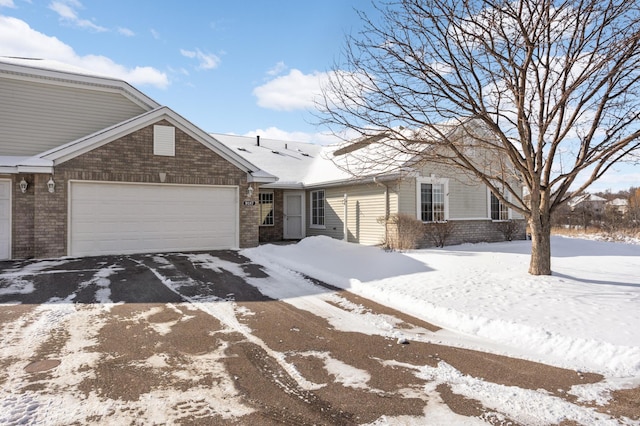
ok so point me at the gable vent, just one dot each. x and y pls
(164, 140)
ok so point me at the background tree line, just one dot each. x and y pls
(607, 215)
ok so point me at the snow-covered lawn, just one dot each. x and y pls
(586, 316)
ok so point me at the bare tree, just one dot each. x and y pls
(633, 213)
(553, 85)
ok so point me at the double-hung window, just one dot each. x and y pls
(265, 204)
(317, 209)
(432, 198)
(499, 211)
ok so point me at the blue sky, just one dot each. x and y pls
(238, 66)
(244, 66)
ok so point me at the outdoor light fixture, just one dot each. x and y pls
(23, 185)
(51, 185)
(249, 191)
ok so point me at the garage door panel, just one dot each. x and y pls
(136, 218)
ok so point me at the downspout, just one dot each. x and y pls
(345, 227)
(386, 207)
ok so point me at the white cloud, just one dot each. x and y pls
(621, 177)
(206, 61)
(7, 3)
(277, 69)
(155, 34)
(297, 90)
(283, 135)
(126, 32)
(18, 39)
(291, 91)
(67, 11)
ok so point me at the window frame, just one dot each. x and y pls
(445, 192)
(271, 214)
(501, 206)
(313, 218)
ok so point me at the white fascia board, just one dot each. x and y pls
(14, 165)
(260, 176)
(25, 169)
(278, 185)
(72, 79)
(35, 169)
(356, 181)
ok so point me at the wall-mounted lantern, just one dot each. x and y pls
(23, 185)
(51, 185)
(249, 191)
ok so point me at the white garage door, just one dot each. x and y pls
(5, 219)
(114, 218)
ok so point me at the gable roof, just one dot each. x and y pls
(586, 198)
(381, 156)
(58, 73)
(44, 162)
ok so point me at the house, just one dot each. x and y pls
(586, 202)
(89, 165)
(618, 205)
(317, 194)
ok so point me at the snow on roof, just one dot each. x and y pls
(619, 202)
(586, 197)
(398, 151)
(376, 155)
(302, 164)
(294, 163)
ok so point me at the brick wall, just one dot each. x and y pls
(128, 159)
(22, 216)
(472, 231)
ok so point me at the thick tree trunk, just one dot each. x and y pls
(540, 225)
(540, 263)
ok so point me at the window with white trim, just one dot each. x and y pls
(317, 209)
(265, 206)
(498, 209)
(433, 199)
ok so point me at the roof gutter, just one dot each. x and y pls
(357, 181)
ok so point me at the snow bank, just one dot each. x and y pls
(583, 317)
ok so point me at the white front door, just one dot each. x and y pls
(293, 215)
(5, 219)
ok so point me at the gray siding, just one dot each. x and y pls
(468, 199)
(366, 204)
(36, 117)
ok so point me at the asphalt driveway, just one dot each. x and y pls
(191, 339)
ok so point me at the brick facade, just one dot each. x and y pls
(474, 231)
(40, 218)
